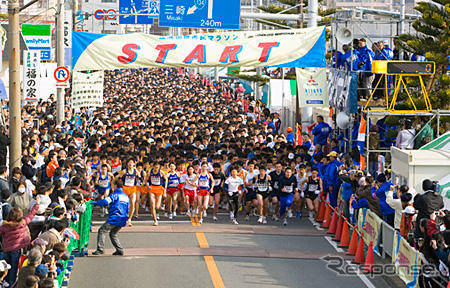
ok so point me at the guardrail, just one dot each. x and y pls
(77, 247)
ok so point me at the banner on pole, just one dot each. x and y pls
(406, 260)
(38, 37)
(68, 25)
(31, 73)
(312, 87)
(280, 48)
(87, 89)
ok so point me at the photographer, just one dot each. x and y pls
(427, 203)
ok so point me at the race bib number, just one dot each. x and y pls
(289, 189)
(216, 182)
(203, 183)
(103, 183)
(155, 180)
(262, 187)
(129, 181)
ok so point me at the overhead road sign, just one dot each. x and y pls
(38, 37)
(138, 11)
(215, 14)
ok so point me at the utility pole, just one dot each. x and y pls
(60, 60)
(307, 117)
(300, 10)
(402, 24)
(15, 117)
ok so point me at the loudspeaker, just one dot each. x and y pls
(344, 35)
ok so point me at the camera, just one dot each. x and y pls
(436, 186)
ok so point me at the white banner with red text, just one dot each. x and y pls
(280, 48)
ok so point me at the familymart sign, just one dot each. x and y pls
(38, 37)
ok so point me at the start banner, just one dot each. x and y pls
(279, 48)
(406, 260)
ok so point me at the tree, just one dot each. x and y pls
(432, 40)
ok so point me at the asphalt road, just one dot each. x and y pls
(216, 254)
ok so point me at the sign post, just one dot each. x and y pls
(214, 14)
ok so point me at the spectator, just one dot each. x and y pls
(380, 191)
(425, 134)
(32, 281)
(426, 204)
(20, 199)
(34, 258)
(55, 234)
(398, 204)
(4, 185)
(15, 179)
(5, 204)
(15, 237)
(365, 66)
(4, 268)
(4, 143)
(405, 138)
(396, 51)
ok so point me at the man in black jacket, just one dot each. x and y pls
(426, 204)
(4, 143)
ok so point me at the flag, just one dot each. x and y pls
(299, 141)
(362, 162)
(330, 117)
(362, 135)
(71, 233)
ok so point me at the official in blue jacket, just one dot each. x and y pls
(380, 191)
(118, 203)
(321, 132)
(332, 176)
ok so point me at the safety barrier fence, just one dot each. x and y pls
(77, 247)
(373, 232)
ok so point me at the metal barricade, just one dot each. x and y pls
(387, 239)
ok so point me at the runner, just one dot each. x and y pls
(129, 177)
(288, 185)
(204, 190)
(275, 177)
(190, 185)
(263, 189)
(157, 184)
(314, 188)
(103, 185)
(141, 188)
(173, 190)
(299, 197)
(234, 186)
(217, 189)
(249, 183)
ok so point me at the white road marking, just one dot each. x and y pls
(149, 222)
(363, 277)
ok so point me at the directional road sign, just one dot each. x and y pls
(138, 11)
(216, 14)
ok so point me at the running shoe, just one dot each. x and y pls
(200, 221)
(247, 218)
(157, 216)
(170, 216)
(174, 214)
(274, 217)
(299, 215)
(165, 214)
(205, 213)
(260, 219)
(235, 222)
(265, 220)
(284, 222)
(290, 214)
(156, 223)
(188, 213)
(196, 211)
(214, 218)
(231, 215)
(147, 210)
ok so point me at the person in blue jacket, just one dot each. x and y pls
(382, 187)
(321, 132)
(332, 178)
(118, 217)
(365, 64)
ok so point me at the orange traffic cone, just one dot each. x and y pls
(359, 256)
(327, 217)
(353, 243)
(333, 224)
(368, 265)
(321, 215)
(337, 237)
(345, 240)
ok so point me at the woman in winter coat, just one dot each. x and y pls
(16, 236)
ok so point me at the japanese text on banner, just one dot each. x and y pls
(87, 89)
